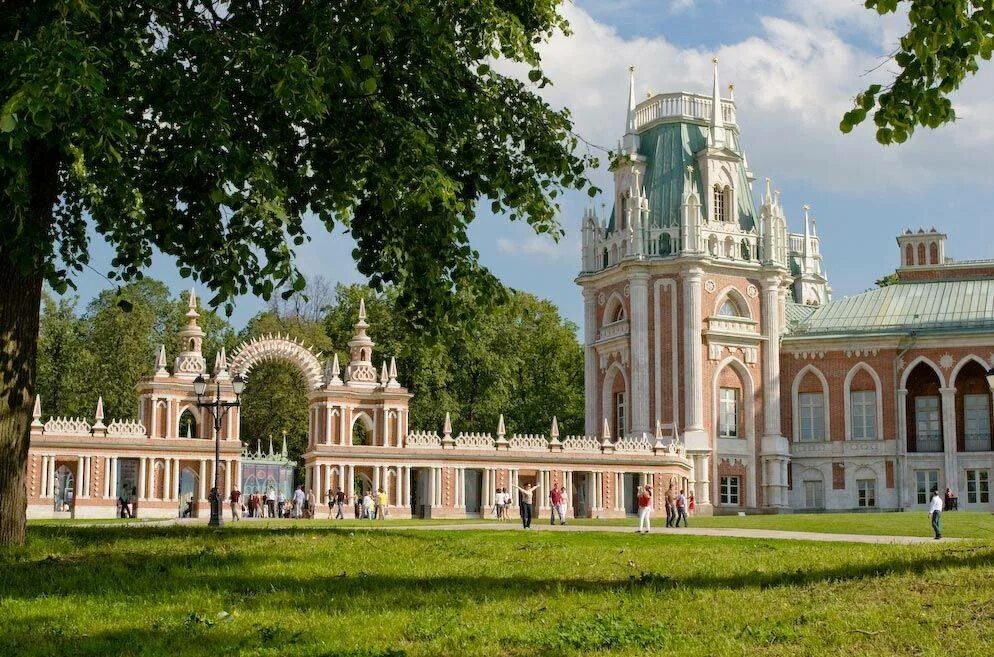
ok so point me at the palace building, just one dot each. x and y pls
(716, 360)
(704, 313)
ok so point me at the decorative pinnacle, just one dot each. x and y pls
(447, 427)
(501, 431)
(606, 430)
(362, 309)
(554, 431)
(36, 414)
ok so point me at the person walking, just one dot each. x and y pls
(670, 501)
(525, 497)
(271, 502)
(234, 500)
(381, 505)
(555, 499)
(681, 510)
(368, 506)
(298, 501)
(563, 497)
(280, 504)
(499, 504)
(339, 504)
(692, 504)
(935, 513)
(645, 508)
(310, 504)
(330, 496)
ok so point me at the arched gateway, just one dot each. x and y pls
(278, 348)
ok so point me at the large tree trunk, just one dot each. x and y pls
(19, 304)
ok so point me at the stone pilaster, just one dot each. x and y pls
(590, 372)
(639, 336)
(695, 437)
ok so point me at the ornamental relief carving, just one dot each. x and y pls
(752, 291)
(710, 286)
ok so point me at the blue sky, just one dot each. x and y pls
(796, 64)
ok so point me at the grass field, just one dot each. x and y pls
(313, 590)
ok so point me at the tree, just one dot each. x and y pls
(64, 360)
(890, 279)
(945, 42)
(207, 130)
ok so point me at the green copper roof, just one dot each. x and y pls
(926, 306)
(668, 148)
(797, 313)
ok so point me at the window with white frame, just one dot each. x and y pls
(928, 427)
(720, 211)
(925, 482)
(730, 491)
(866, 493)
(977, 422)
(863, 415)
(978, 486)
(619, 414)
(728, 413)
(814, 494)
(811, 416)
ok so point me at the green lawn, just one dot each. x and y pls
(311, 590)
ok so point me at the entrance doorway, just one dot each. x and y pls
(65, 488)
(420, 495)
(579, 496)
(631, 482)
(473, 490)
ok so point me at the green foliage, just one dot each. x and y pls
(106, 351)
(890, 279)
(208, 129)
(603, 632)
(945, 42)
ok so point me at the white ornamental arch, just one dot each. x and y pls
(278, 348)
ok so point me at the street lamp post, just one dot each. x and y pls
(218, 409)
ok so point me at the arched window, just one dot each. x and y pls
(722, 203)
(359, 434)
(909, 256)
(623, 211)
(619, 314)
(729, 309)
(810, 399)
(973, 408)
(863, 399)
(605, 259)
(713, 245)
(193, 345)
(933, 253)
(924, 411)
(921, 254)
(188, 425)
(746, 255)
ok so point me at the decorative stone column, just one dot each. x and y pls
(949, 438)
(774, 450)
(590, 370)
(902, 448)
(639, 337)
(695, 438)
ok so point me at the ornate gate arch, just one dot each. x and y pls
(278, 348)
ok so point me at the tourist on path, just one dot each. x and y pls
(525, 496)
(236, 496)
(935, 513)
(691, 505)
(670, 500)
(381, 505)
(281, 505)
(330, 496)
(645, 508)
(368, 507)
(500, 503)
(271, 502)
(310, 504)
(298, 501)
(562, 504)
(555, 498)
(681, 509)
(339, 504)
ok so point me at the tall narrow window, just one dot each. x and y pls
(623, 219)
(977, 422)
(814, 494)
(730, 491)
(863, 414)
(866, 492)
(619, 414)
(728, 413)
(925, 482)
(720, 211)
(978, 486)
(811, 416)
(928, 428)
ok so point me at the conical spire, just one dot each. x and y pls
(554, 431)
(501, 431)
(283, 451)
(807, 231)
(606, 430)
(160, 362)
(221, 365)
(270, 444)
(717, 119)
(190, 361)
(335, 379)
(361, 371)
(36, 414)
(99, 415)
(447, 427)
(362, 310)
(393, 383)
(630, 143)
(384, 377)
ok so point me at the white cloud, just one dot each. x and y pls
(676, 6)
(793, 81)
(534, 245)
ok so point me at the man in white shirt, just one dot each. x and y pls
(298, 501)
(271, 502)
(935, 512)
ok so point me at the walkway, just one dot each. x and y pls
(724, 532)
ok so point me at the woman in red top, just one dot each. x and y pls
(645, 507)
(691, 505)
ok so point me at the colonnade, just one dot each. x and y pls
(395, 480)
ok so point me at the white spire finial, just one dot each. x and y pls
(606, 430)
(554, 431)
(501, 431)
(383, 374)
(393, 383)
(336, 370)
(630, 143)
(192, 299)
(447, 427)
(160, 362)
(731, 91)
(717, 120)
(36, 414)
(362, 309)
(99, 415)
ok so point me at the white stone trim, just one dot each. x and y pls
(914, 363)
(730, 291)
(795, 402)
(963, 361)
(748, 415)
(607, 401)
(675, 337)
(846, 389)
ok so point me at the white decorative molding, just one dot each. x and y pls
(601, 298)
(633, 444)
(279, 348)
(531, 442)
(475, 441)
(808, 355)
(67, 426)
(710, 286)
(423, 440)
(946, 361)
(582, 444)
(861, 352)
(614, 330)
(126, 429)
(752, 291)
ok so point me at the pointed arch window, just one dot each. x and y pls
(720, 206)
(729, 309)
(187, 425)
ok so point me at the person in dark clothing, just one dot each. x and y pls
(525, 497)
